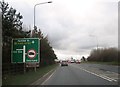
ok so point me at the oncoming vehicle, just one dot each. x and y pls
(64, 63)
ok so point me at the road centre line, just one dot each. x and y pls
(101, 76)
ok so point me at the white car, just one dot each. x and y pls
(64, 63)
(72, 61)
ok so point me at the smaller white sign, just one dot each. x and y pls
(31, 53)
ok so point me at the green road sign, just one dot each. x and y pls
(25, 50)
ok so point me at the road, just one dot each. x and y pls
(83, 74)
(103, 67)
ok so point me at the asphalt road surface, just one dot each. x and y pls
(83, 74)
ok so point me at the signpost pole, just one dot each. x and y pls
(35, 68)
(24, 53)
(24, 58)
(24, 68)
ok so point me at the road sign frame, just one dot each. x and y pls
(38, 51)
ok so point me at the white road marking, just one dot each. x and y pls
(46, 74)
(111, 72)
(101, 76)
(48, 78)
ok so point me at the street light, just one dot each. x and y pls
(35, 7)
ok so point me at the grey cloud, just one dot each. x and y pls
(69, 28)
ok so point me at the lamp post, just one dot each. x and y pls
(34, 17)
(35, 7)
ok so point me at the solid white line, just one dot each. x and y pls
(48, 78)
(96, 74)
(46, 74)
(104, 77)
(109, 78)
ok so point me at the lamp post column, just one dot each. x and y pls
(34, 10)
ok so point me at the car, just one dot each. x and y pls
(72, 61)
(77, 62)
(64, 63)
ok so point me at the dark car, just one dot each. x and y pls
(64, 63)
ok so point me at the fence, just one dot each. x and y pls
(9, 68)
(15, 68)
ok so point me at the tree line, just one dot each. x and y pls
(12, 27)
(104, 55)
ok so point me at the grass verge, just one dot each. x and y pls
(28, 77)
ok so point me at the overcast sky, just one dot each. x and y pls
(74, 27)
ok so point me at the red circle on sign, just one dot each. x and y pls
(31, 53)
